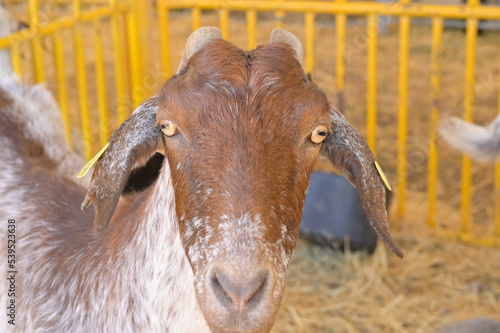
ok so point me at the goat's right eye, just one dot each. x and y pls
(167, 127)
(319, 134)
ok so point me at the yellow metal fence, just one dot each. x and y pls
(129, 24)
(125, 20)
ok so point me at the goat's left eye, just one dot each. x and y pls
(167, 127)
(319, 134)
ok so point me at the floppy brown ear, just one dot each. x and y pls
(130, 146)
(350, 154)
(133, 143)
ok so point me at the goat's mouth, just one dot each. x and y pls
(246, 301)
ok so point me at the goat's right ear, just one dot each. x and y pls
(130, 146)
(350, 154)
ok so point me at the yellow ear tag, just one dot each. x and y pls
(382, 175)
(91, 163)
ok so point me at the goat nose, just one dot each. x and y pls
(241, 292)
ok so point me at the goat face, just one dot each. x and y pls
(241, 132)
(240, 158)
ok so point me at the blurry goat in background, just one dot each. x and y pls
(481, 143)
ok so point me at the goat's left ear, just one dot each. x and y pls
(130, 146)
(350, 154)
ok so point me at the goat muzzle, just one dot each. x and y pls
(235, 298)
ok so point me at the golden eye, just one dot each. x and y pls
(167, 127)
(319, 134)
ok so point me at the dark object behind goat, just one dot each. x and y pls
(333, 213)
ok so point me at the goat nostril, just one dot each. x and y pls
(238, 293)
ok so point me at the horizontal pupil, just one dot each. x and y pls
(322, 133)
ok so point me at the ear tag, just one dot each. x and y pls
(382, 175)
(91, 163)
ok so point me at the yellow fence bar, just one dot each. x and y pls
(371, 110)
(432, 169)
(350, 8)
(119, 66)
(38, 60)
(16, 60)
(404, 34)
(310, 33)
(135, 54)
(251, 29)
(224, 22)
(62, 93)
(196, 18)
(280, 17)
(102, 103)
(163, 25)
(82, 94)
(36, 43)
(81, 79)
(470, 60)
(340, 28)
(142, 10)
(496, 228)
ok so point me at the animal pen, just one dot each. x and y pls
(393, 69)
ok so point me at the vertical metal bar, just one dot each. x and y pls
(496, 228)
(310, 34)
(143, 9)
(251, 29)
(224, 22)
(36, 42)
(470, 60)
(163, 18)
(16, 60)
(135, 53)
(82, 83)
(62, 93)
(404, 31)
(196, 17)
(102, 103)
(119, 65)
(279, 15)
(432, 170)
(340, 26)
(371, 111)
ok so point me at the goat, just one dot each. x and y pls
(481, 143)
(206, 246)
